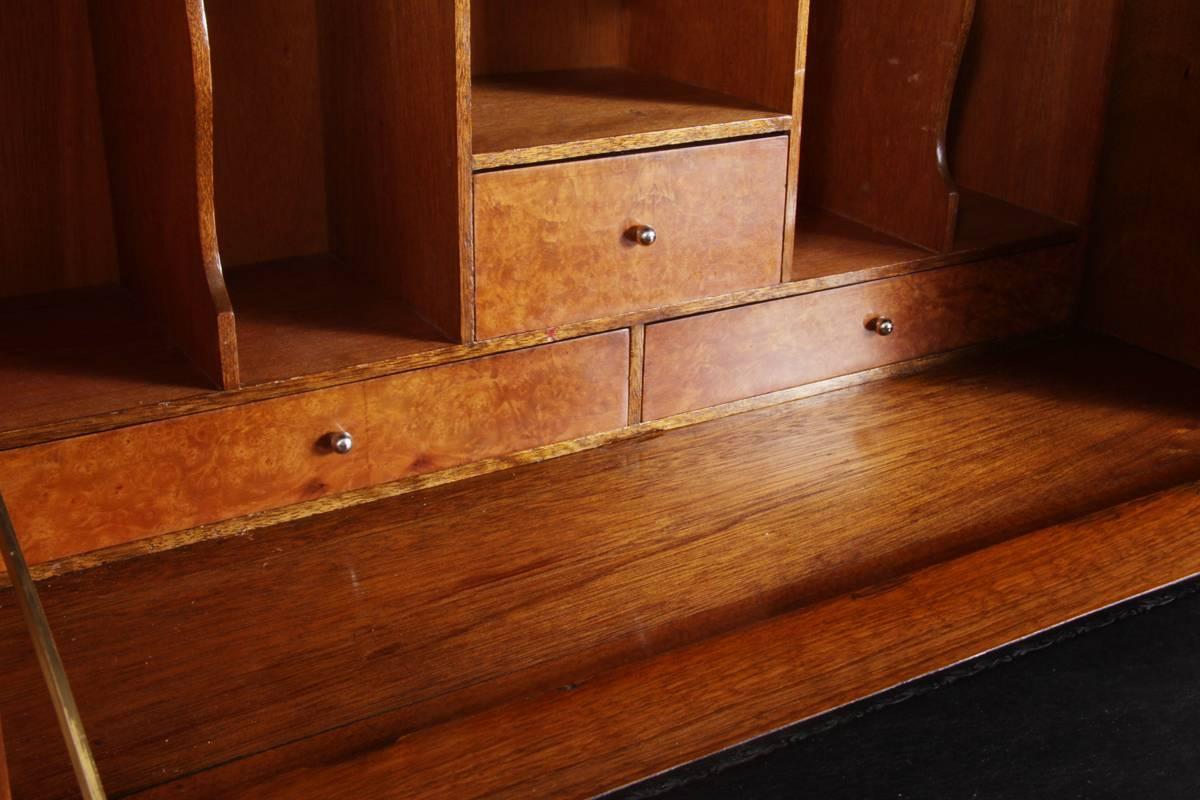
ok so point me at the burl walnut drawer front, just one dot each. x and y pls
(82, 494)
(725, 356)
(582, 240)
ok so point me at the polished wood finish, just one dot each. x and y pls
(302, 316)
(65, 356)
(879, 81)
(623, 726)
(132, 483)
(538, 35)
(159, 143)
(745, 50)
(487, 408)
(552, 242)
(103, 184)
(724, 356)
(269, 142)
(1145, 246)
(1028, 111)
(833, 247)
(415, 609)
(329, 142)
(552, 116)
(56, 225)
(830, 252)
(393, 130)
(5, 792)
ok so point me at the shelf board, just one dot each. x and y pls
(840, 251)
(85, 353)
(550, 116)
(414, 609)
(308, 315)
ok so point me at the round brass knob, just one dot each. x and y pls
(645, 235)
(883, 326)
(341, 442)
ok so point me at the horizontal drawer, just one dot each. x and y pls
(724, 356)
(82, 494)
(558, 243)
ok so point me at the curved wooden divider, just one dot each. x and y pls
(156, 99)
(880, 81)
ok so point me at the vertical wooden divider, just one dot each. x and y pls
(704, 43)
(5, 793)
(879, 84)
(155, 88)
(390, 91)
(1026, 119)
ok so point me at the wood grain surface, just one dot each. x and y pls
(1028, 111)
(392, 136)
(158, 137)
(5, 793)
(418, 608)
(539, 35)
(715, 358)
(56, 225)
(553, 116)
(303, 316)
(1145, 256)
(268, 132)
(553, 245)
(830, 246)
(96, 491)
(745, 50)
(878, 84)
(635, 722)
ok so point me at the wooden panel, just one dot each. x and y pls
(1144, 256)
(304, 316)
(393, 137)
(82, 494)
(56, 228)
(1028, 110)
(745, 50)
(417, 608)
(552, 242)
(533, 35)
(880, 76)
(429, 420)
(90, 492)
(5, 793)
(552, 116)
(159, 145)
(728, 355)
(639, 721)
(269, 155)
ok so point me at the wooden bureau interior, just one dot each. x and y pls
(373, 371)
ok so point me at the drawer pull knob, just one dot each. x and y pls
(882, 325)
(644, 235)
(341, 442)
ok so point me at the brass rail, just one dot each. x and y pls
(48, 658)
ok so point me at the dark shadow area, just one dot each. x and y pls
(1109, 714)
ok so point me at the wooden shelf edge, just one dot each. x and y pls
(450, 353)
(642, 719)
(611, 145)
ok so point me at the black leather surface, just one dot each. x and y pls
(1106, 707)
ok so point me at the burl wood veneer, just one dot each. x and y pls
(131, 483)
(418, 608)
(555, 244)
(715, 358)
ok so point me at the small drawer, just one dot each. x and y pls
(583, 240)
(724, 356)
(82, 494)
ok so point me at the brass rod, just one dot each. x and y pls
(48, 658)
